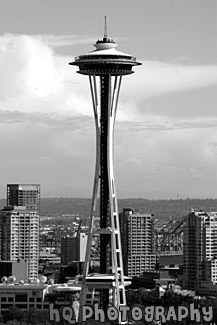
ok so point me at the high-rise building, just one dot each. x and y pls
(19, 237)
(200, 252)
(69, 251)
(73, 248)
(24, 195)
(137, 242)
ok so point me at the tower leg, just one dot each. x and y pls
(111, 262)
(94, 196)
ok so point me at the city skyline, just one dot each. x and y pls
(165, 135)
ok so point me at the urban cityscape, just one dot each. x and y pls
(70, 254)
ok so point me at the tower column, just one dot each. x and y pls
(105, 67)
(105, 222)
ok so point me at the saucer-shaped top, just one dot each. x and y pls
(105, 60)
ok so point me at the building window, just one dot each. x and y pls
(21, 298)
(89, 296)
(7, 306)
(22, 306)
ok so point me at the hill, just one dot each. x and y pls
(162, 209)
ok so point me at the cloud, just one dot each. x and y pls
(155, 78)
(153, 123)
(55, 120)
(47, 121)
(145, 90)
(45, 158)
(56, 41)
(161, 78)
(28, 67)
(36, 79)
(182, 160)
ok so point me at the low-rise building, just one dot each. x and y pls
(48, 257)
(18, 269)
(22, 296)
(35, 294)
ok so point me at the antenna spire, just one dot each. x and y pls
(105, 29)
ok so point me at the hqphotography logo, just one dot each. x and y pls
(136, 313)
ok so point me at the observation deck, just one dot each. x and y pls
(105, 60)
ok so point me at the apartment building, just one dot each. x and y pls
(200, 251)
(24, 195)
(137, 242)
(19, 237)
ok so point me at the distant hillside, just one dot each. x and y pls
(162, 209)
(69, 192)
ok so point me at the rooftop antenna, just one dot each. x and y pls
(105, 29)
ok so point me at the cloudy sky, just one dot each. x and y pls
(166, 130)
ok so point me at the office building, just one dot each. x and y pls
(200, 252)
(69, 251)
(19, 237)
(73, 248)
(24, 195)
(137, 242)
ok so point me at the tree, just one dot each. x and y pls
(14, 314)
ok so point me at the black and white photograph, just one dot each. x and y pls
(108, 164)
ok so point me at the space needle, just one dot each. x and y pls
(105, 67)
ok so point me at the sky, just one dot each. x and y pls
(166, 127)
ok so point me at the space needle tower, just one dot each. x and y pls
(105, 67)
